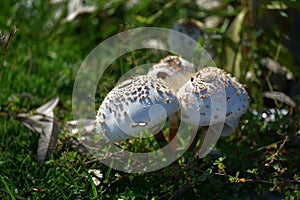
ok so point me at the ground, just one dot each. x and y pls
(41, 55)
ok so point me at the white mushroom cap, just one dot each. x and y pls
(138, 104)
(174, 70)
(209, 84)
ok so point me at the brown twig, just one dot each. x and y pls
(286, 139)
(160, 138)
(8, 41)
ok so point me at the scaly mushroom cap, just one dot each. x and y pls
(174, 70)
(206, 87)
(138, 104)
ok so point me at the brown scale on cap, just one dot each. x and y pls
(172, 62)
(162, 75)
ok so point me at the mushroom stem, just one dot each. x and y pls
(160, 138)
(173, 126)
(195, 140)
(173, 129)
(213, 98)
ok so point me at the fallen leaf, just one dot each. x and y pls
(48, 139)
(42, 120)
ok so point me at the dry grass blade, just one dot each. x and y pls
(280, 96)
(272, 65)
(234, 56)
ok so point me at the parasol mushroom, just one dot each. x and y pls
(137, 104)
(213, 88)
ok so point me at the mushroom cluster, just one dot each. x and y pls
(144, 102)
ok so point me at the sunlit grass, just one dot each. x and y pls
(260, 159)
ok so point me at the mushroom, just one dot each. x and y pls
(212, 98)
(174, 70)
(205, 90)
(137, 104)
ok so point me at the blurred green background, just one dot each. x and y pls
(43, 44)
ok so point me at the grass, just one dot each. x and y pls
(260, 160)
